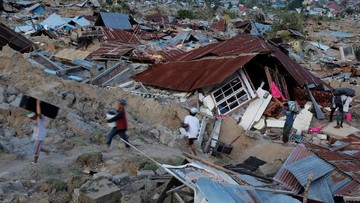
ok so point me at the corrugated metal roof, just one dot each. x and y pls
(191, 75)
(110, 50)
(235, 47)
(319, 189)
(215, 192)
(219, 25)
(337, 180)
(157, 18)
(15, 40)
(302, 168)
(284, 176)
(53, 21)
(119, 35)
(115, 20)
(350, 190)
(239, 45)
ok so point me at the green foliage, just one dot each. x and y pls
(57, 184)
(183, 13)
(286, 20)
(121, 7)
(295, 4)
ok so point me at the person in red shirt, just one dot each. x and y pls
(121, 126)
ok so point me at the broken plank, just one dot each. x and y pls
(255, 109)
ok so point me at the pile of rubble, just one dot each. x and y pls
(76, 56)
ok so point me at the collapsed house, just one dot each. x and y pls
(229, 73)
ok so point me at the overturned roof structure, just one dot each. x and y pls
(335, 170)
(15, 40)
(212, 64)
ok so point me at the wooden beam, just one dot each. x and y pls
(176, 188)
(307, 187)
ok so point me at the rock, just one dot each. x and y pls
(150, 185)
(102, 175)
(6, 175)
(133, 198)
(136, 186)
(1, 94)
(11, 98)
(22, 199)
(270, 169)
(17, 185)
(100, 191)
(121, 178)
(15, 102)
(11, 91)
(4, 106)
(87, 74)
(90, 159)
(155, 196)
(145, 173)
(155, 133)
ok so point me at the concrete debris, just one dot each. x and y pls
(236, 63)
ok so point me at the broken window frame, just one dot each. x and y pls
(230, 93)
(278, 79)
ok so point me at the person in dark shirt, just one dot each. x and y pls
(121, 125)
(289, 121)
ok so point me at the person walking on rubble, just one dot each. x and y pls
(39, 131)
(121, 126)
(192, 126)
(335, 103)
(341, 112)
(289, 121)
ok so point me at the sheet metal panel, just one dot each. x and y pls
(116, 21)
(302, 168)
(242, 44)
(15, 40)
(288, 180)
(319, 189)
(350, 190)
(216, 192)
(111, 50)
(191, 75)
(219, 25)
(119, 35)
(337, 180)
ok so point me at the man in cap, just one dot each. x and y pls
(121, 125)
(39, 131)
(192, 126)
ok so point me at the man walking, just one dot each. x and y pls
(121, 125)
(192, 126)
(39, 131)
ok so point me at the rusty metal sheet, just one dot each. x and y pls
(288, 180)
(191, 75)
(351, 191)
(249, 44)
(239, 45)
(157, 17)
(111, 50)
(219, 25)
(119, 35)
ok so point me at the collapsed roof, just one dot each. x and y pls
(212, 64)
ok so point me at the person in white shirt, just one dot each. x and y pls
(39, 131)
(340, 116)
(192, 126)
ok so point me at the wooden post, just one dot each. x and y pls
(307, 187)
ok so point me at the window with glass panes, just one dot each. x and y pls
(230, 95)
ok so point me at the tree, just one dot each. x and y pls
(295, 4)
(286, 20)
